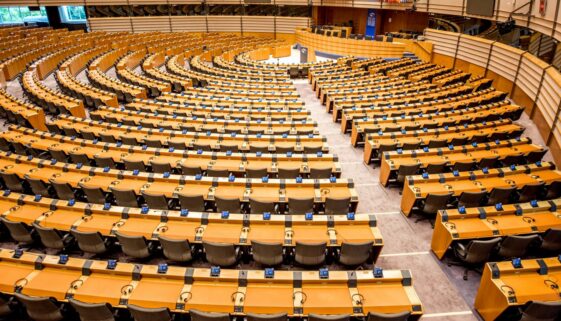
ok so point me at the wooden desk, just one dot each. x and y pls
(416, 187)
(297, 293)
(503, 286)
(196, 227)
(214, 140)
(484, 97)
(488, 222)
(235, 162)
(455, 117)
(352, 47)
(423, 137)
(213, 110)
(202, 125)
(275, 190)
(392, 161)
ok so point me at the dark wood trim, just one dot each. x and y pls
(457, 49)
(517, 72)
(489, 57)
(538, 92)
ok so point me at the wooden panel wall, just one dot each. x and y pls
(531, 82)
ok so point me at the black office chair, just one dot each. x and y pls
(475, 253)
(517, 245)
(431, 205)
(472, 199)
(541, 311)
(400, 316)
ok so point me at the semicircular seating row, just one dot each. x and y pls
(170, 175)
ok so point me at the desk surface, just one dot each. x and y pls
(416, 187)
(234, 162)
(488, 222)
(239, 229)
(274, 190)
(297, 293)
(503, 286)
(392, 161)
(189, 138)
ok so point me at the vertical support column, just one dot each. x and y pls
(489, 58)
(456, 52)
(129, 10)
(516, 74)
(535, 104)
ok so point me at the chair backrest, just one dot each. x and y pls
(552, 240)
(227, 204)
(191, 170)
(12, 182)
(49, 237)
(153, 143)
(18, 231)
(58, 154)
(435, 202)
(256, 172)
(124, 196)
(107, 138)
(311, 254)
(400, 316)
(90, 242)
(131, 165)
(405, 170)
(92, 311)
(553, 190)
(269, 254)
(222, 254)
(93, 194)
(133, 246)
(40, 308)
(257, 148)
(353, 254)
(437, 143)
(334, 205)
(471, 199)
(513, 160)
(318, 173)
(212, 172)
(155, 200)
(501, 195)
(535, 156)
(478, 251)
(542, 311)
(328, 317)
(104, 161)
(488, 162)
(38, 187)
(288, 172)
(190, 202)
(149, 314)
(516, 245)
(161, 167)
(300, 205)
(436, 168)
(531, 192)
(266, 317)
(79, 158)
(312, 149)
(176, 250)
(197, 315)
(260, 207)
(463, 166)
(63, 190)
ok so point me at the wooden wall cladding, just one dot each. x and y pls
(531, 82)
